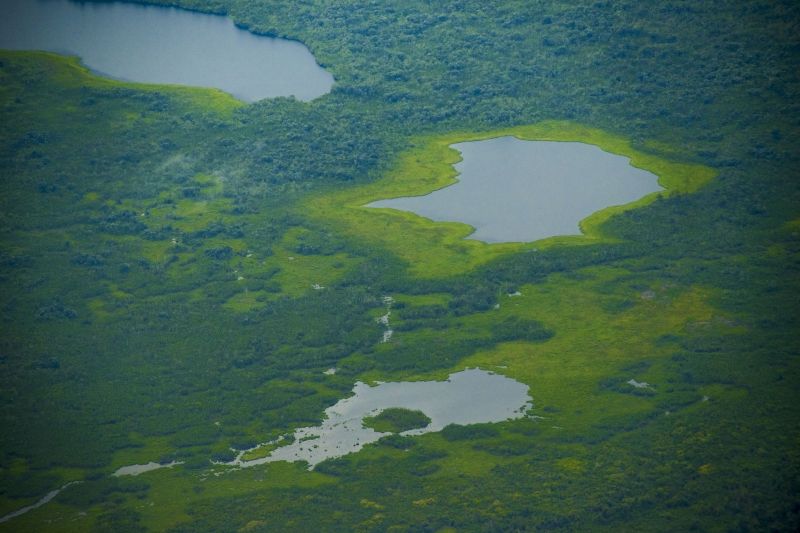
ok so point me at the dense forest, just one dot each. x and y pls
(179, 271)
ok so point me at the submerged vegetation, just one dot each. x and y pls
(183, 276)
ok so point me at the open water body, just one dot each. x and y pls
(467, 397)
(135, 470)
(165, 45)
(512, 190)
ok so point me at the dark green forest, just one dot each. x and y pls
(159, 252)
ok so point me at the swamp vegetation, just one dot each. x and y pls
(180, 270)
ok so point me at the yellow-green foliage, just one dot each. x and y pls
(168, 483)
(439, 248)
(68, 72)
(594, 340)
(592, 343)
(296, 274)
(299, 273)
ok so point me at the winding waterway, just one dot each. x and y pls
(153, 44)
(512, 190)
(45, 499)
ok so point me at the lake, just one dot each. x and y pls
(468, 397)
(165, 45)
(512, 190)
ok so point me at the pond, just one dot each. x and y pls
(512, 190)
(468, 397)
(165, 45)
(135, 470)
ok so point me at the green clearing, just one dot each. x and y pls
(179, 271)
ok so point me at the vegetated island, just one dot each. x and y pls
(397, 420)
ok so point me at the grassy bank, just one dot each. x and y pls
(436, 249)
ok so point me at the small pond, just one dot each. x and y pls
(467, 397)
(165, 45)
(135, 470)
(512, 190)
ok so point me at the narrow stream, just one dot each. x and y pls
(49, 496)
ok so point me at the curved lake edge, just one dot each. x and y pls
(428, 166)
(620, 184)
(224, 12)
(589, 225)
(244, 95)
(207, 99)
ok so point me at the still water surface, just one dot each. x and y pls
(512, 190)
(135, 470)
(165, 45)
(467, 397)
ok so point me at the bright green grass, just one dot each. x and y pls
(290, 274)
(564, 374)
(592, 344)
(295, 274)
(593, 341)
(70, 74)
(604, 328)
(435, 249)
(300, 273)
